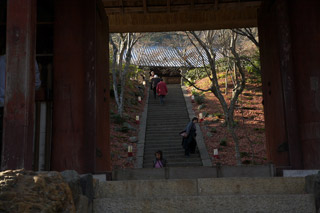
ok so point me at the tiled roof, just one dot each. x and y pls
(159, 56)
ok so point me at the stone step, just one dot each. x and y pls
(165, 152)
(164, 143)
(172, 155)
(222, 203)
(182, 159)
(164, 121)
(163, 146)
(166, 127)
(175, 109)
(175, 164)
(183, 163)
(164, 133)
(159, 137)
(173, 140)
(257, 171)
(162, 130)
(165, 130)
(200, 187)
(178, 159)
(170, 104)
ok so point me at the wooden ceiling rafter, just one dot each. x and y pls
(216, 4)
(173, 15)
(192, 4)
(145, 9)
(168, 6)
(121, 6)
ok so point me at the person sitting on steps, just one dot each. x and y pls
(159, 162)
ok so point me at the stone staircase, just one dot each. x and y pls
(223, 195)
(188, 186)
(164, 122)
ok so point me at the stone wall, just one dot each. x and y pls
(28, 191)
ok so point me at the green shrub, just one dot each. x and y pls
(187, 84)
(206, 122)
(202, 106)
(259, 129)
(199, 99)
(235, 123)
(123, 129)
(244, 154)
(196, 74)
(218, 114)
(205, 114)
(117, 119)
(221, 75)
(223, 141)
(196, 92)
(246, 162)
(213, 130)
(133, 101)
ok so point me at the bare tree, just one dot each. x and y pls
(252, 35)
(205, 43)
(121, 44)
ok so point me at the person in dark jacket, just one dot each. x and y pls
(159, 162)
(189, 142)
(162, 90)
(155, 80)
(151, 77)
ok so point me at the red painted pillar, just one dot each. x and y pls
(274, 110)
(80, 115)
(103, 161)
(279, 85)
(305, 29)
(20, 87)
(288, 83)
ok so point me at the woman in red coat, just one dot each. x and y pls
(162, 90)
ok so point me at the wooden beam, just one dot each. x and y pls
(216, 2)
(121, 6)
(145, 6)
(182, 8)
(168, 6)
(161, 22)
(192, 3)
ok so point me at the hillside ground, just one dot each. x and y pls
(249, 119)
(124, 132)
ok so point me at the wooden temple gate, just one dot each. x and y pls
(289, 37)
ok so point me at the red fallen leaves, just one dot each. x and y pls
(249, 116)
(119, 141)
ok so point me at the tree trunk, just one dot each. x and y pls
(236, 141)
(226, 83)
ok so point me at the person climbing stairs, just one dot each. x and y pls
(164, 122)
